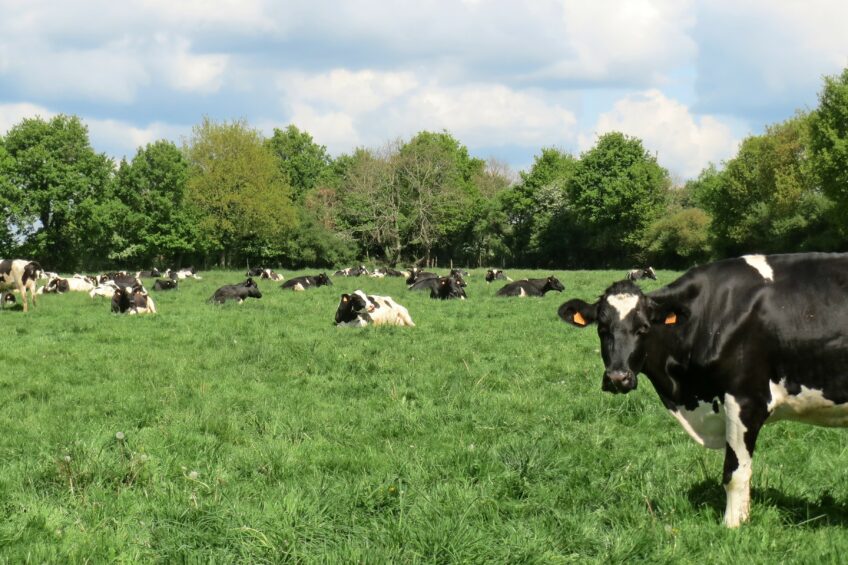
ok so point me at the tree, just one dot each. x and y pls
(829, 142)
(616, 191)
(153, 187)
(236, 185)
(60, 181)
(8, 195)
(303, 163)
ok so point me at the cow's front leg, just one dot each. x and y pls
(744, 418)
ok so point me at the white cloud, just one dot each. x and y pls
(683, 143)
(12, 114)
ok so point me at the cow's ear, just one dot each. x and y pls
(345, 298)
(578, 312)
(668, 313)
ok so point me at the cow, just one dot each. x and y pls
(443, 288)
(74, 284)
(359, 271)
(416, 274)
(389, 272)
(132, 301)
(254, 271)
(531, 287)
(20, 274)
(639, 274)
(305, 282)
(153, 273)
(91, 280)
(183, 274)
(359, 310)
(239, 292)
(8, 299)
(271, 275)
(731, 346)
(496, 275)
(106, 289)
(165, 284)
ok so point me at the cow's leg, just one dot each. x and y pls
(22, 289)
(31, 286)
(744, 418)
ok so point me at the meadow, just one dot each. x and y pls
(261, 433)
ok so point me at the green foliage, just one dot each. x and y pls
(766, 199)
(616, 191)
(8, 198)
(160, 225)
(680, 239)
(60, 181)
(236, 185)
(261, 433)
(303, 163)
(829, 142)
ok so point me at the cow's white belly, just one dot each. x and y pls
(808, 406)
(703, 424)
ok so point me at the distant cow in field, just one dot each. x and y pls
(165, 284)
(389, 272)
(20, 274)
(416, 274)
(496, 275)
(148, 274)
(443, 288)
(305, 282)
(359, 310)
(254, 271)
(183, 274)
(61, 285)
(531, 287)
(132, 301)
(639, 274)
(238, 292)
(8, 299)
(106, 289)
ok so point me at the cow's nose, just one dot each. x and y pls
(618, 381)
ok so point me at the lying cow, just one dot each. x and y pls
(106, 289)
(639, 274)
(132, 301)
(21, 275)
(443, 288)
(531, 287)
(165, 284)
(496, 275)
(389, 272)
(61, 285)
(416, 274)
(7, 299)
(359, 310)
(153, 273)
(731, 346)
(305, 282)
(239, 292)
(271, 275)
(183, 274)
(353, 272)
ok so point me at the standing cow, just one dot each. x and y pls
(20, 274)
(731, 346)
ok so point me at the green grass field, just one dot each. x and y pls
(261, 433)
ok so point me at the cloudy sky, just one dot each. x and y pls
(505, 77)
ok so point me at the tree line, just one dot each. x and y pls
(230, 196)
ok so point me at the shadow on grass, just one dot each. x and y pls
(826, 511)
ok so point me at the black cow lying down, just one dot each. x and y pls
(165, 284)
(7, 299)
(239, 292)
(531, 287)
(731, 346)
(305, 282)
(443, 288)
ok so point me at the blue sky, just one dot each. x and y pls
(506, 78)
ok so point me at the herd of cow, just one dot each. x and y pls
(729, 346)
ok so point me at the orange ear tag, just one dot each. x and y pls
(344, 298)
(579, 319)
(671, 319)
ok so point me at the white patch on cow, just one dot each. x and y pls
(760, 263)
(522, 293)
(623, 303)
(809, 406)
(298, 286)
(739, 488)
(703, 424)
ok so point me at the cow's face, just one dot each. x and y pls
(449, 287)
(490, 275)
(249, 283)
(554, 284)
(350, 306)
(322, 280)
(650, 273)
(625, 319)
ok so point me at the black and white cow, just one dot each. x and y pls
(731, 346)
(238, 292)
(20, 274)
(153, 273)
(389, 272)
(106, 289)
(531, 287)
(61, 285)
(416, 274)
(165, 284)
(132, 301)
(496, 275)
(189, 272)
(305, 282)
(443, 288)
(359, 310)
(639, 274)
(254, 271)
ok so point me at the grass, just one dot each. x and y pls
(261, 433)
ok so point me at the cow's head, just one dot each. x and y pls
(490, 275)
(625, 318)
(351, 305)
(650, 273)
(9, 298)
(552, 283)
(249, 283)
(322, 280)
(449, 287)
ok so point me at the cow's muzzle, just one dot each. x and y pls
(618, 381)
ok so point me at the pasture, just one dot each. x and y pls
(262, 433)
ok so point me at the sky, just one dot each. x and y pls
(506, 78)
